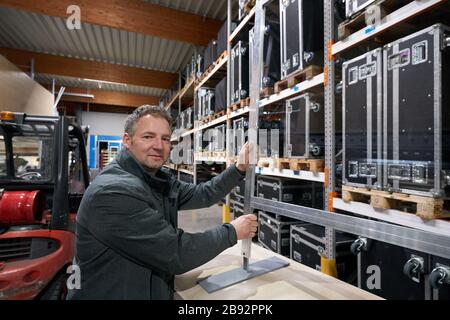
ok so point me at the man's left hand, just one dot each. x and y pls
(243, 161)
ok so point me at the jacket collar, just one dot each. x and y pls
(159, 181)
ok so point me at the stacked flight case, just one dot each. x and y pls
(304, 127)
(239, 72)
(440, 278)
(354, 6)
(240, 134)
(199, 144)
(210, 54)
(219, 138)
(239, 190)
(397, 135)
(382, 267)
(299, 192)
(273, 233)
(200, 65)
(270, 68)
(301, 23)
(308, 246)
(236, 205)
(241, 10)
(222, 39)
(271, 136)
(362, 120)
(187, 119)
(221, 96)
(207, 102)
(416, 113)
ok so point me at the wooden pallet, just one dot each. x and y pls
(358, 22)
(266, 92)
(214, 116)
(222, 56)
(206, 154)
(245, 102)
(204, 74)
(297, 77)
(235, 106)
(188, 80)
(241, 104)
(248, 6)
(424, 207)
(219, 154)
(219, 114)
(198, 154)
(209, 70)
(313, 165)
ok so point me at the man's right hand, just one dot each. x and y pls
(245, 226)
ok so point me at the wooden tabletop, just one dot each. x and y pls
(295, 282)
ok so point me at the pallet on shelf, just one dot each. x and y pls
(185, 166)
(358, 22)
(222, 56)
(218, 154)
(267, 92)
(297, 77)
(206, 73)
(248, 6)
(241, 104)
(313, 165)
(213, 116)
(425, 207)
(198, 154)
(210, 69)
(218, 114)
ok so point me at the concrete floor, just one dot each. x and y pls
(200, 220)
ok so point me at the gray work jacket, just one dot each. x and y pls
(128, 245)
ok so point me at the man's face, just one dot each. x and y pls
(150, 144)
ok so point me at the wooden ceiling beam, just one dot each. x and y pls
(112, 98)
(85, 69)
(130, 15)
(68, 108)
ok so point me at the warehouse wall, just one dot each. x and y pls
(104, 124)
(20, 93)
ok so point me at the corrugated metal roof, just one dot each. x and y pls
(214, 9)
(81, 83)
(40, 33)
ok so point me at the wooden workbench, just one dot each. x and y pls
(295, 282)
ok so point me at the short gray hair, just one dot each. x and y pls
(154, 111)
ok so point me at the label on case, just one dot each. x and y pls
(367, 70)
(295, 60)
(273, 244)
(399, 60)
(297, 256)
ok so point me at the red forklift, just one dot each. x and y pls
(43, 175)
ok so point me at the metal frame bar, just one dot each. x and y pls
(329, 109)
(419, 240)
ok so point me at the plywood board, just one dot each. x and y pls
(295, 282)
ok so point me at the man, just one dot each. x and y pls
(128, 244)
